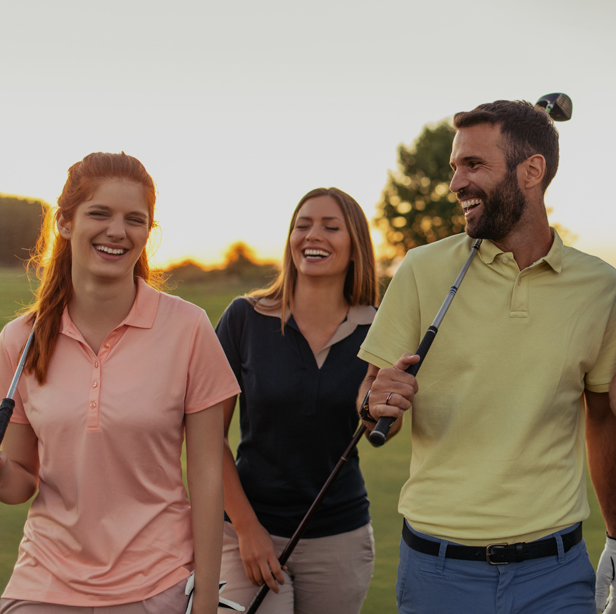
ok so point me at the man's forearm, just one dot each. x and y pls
(601, 445)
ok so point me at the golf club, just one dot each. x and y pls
(558, 106)
(288, 549)
(379, 434)
(7, 405)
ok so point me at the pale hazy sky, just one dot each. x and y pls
(238, 108)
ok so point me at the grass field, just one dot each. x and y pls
(385, 469)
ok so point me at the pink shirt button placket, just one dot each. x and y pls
(93, 408)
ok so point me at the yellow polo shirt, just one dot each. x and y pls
(498, 423)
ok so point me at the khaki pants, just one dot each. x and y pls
(171, 601)
(325, 575)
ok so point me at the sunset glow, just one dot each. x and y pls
(237, 109)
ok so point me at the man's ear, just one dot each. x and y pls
(533, 171)
(64, 227)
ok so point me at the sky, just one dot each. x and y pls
(238, 108)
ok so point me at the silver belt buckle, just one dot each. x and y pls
(489, 554)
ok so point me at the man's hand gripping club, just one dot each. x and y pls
(392, 391)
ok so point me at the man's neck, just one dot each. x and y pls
(531, 239)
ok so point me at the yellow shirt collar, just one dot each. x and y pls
(554, 258)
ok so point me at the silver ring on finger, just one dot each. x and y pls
(388, 397)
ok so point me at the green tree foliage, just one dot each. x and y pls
(416, 205)
(20, 224)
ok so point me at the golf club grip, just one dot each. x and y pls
(379, 435)
(6, 411)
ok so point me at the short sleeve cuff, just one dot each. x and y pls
(218, 399)
(597, 387)
(19, 419)
(381, 363)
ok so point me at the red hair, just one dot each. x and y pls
(52, 256)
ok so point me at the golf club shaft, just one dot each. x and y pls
(379, 435)
(7, 405)
(286, 553)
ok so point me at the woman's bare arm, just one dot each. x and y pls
(204, 450)
(19, 464)
(258, 552)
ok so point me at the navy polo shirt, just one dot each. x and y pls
(296, 419)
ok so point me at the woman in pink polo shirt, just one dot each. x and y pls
(116, 373)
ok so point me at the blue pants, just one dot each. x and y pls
(562, 584)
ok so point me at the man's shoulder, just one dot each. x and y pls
(453, 243)
(593, 267)
(447, 251)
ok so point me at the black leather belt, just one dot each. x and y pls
(495, 554)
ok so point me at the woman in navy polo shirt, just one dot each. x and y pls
(293, 347)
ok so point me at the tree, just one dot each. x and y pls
(20, 225)
(239, 257)
(416, 206)
(241, 262)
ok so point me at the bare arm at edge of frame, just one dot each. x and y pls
(613, 394)
(382, 382)
(204, 459)
(601, 450)
(19, 464)
(257, 549)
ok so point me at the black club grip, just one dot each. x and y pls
(6, 411)
(379, 435)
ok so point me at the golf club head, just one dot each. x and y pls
(558, 106)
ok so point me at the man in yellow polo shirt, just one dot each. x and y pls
(499, 419)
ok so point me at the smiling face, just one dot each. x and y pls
(108, 232)
(320, 241)
(488, 191)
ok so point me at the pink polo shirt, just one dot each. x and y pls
(111, 521)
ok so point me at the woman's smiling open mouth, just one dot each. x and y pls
(315, 254)
(114, 251)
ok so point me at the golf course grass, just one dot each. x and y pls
(385, 469)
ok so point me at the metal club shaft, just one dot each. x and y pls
(379, 435)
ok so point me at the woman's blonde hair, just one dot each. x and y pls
(360, 286)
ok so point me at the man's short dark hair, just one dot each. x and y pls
(528, 131)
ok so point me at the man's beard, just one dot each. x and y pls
(502, 209)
